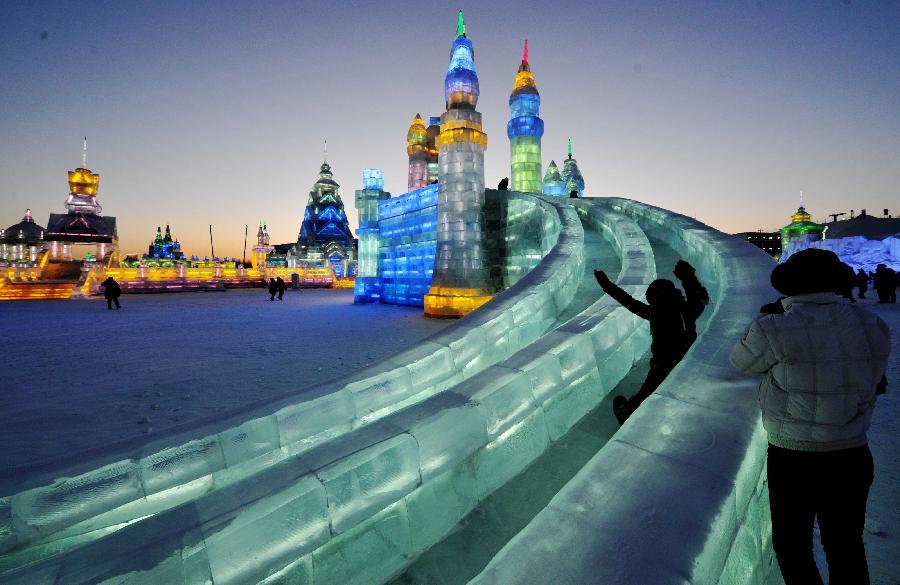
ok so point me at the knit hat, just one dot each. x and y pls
(808, 271)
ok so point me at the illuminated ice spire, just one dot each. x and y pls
(461, 281)
(524, 130)
(84, 154)
(571, 174)
(461, 82)
(416, 142)
(553, 185)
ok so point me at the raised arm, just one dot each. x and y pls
(695, 294)
(640, 309)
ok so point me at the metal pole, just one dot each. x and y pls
(212, 248)
(244, 258)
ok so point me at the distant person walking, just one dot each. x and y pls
(672, 326)
(281, 286)
(273, 288)
(885, 284)
(823, 362)
(111, 292)
(862, 282)
(504, 184)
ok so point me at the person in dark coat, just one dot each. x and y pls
(573, 195)
(273, 288)
(673, 319)
(885, 284)
(846, 280)
(504, 184)
(281, 286)
(862, 282)
(111, 292)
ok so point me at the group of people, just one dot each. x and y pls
(277, 286)
(885, 282)
(823, 363)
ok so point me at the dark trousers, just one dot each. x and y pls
(112, 300)
(832, 487)
(659, 369)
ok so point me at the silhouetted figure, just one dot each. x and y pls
(823, 362)
(281, 286)
(573, 195)
(845, 282)
(672, 326)
(504, 184)
(862, 282)
(273, 288)
(885, 283)
(111, 292)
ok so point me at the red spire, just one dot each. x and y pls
(525, 53)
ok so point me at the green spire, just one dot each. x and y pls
(570, 148)
(460, 26)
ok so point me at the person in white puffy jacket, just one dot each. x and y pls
(823, 360)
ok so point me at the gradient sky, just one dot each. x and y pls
(215, 112)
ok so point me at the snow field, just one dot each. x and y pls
(153, 479)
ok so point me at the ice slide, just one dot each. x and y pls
(353, 484)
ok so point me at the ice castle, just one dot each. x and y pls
(444, 245)
(354, 480)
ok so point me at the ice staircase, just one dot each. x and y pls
(351, 485)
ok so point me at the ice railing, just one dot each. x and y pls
(50, 506)
(678, 495)
(360, 507)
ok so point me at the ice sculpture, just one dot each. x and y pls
(461, 281)
(553, 185)
(408, 240)
(571, 174)
(856, 251)
(431, 150)
(524, 130)
(367, 288)
(801, 225)
(416, 148)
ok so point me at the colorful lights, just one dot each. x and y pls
(553, 185)
(460, 280)
(416, 146)
(524, 130)
(572, 175)
(373, 179)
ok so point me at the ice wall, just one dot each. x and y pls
(360, 507)
(857, 251)
(678, 495)
(52, 506)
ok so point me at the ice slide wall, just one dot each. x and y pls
(53, 506)
(359, 508)
(679, 494)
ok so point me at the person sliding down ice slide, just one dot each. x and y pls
(673, 319)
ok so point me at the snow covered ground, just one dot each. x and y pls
(76, 376)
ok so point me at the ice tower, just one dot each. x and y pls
(367, 288)
(461, 282)
(553, 185)
(431, 151)
(525, 129)
(262, 249)
(571, 175)
(416, 148)
(82, 225)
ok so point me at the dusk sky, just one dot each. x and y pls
(203, 113)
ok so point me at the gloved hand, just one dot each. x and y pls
(601, 277)
(683, 270)
(773, 308)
